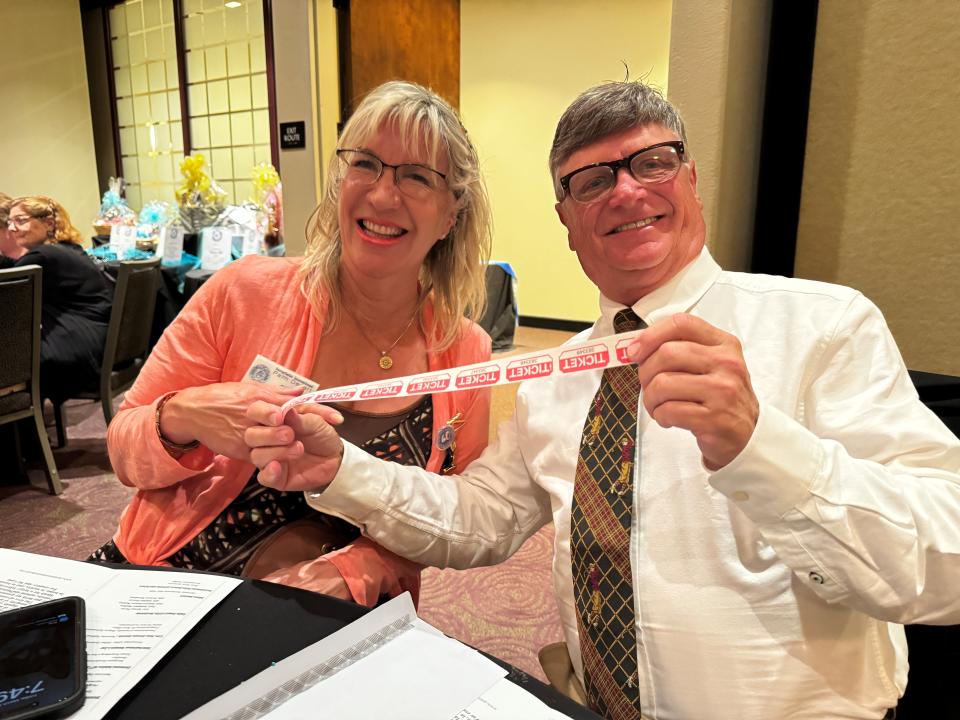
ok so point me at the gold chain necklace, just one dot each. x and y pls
(385, 362)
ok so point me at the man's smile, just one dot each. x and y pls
(635, 224)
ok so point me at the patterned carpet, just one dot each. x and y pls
(507, 610)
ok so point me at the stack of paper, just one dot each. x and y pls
(387, 664)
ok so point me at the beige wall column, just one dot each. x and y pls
(295, 63)
(718, 57)
(46, 136)
(327, 81)
(881, 185)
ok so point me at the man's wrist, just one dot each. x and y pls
(335, 462)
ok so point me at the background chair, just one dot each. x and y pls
(128, 337)
(934, 650)
(20, 361)
(500, 318)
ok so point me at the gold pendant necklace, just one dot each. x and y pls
(385, 362)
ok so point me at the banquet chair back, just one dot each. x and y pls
(128, 336)
(20, 291)
(500, 317)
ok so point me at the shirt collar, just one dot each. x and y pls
(679, 294)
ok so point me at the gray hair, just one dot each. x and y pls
(454, 270)
(609, 109)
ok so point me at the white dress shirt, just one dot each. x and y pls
(772, 588)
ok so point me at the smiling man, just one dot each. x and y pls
(744, 518)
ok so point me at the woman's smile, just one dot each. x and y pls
(380, 232)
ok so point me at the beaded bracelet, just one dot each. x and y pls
(166, 442)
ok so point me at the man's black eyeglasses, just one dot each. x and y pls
(650, 165)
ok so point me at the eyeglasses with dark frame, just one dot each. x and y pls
(413, 180)
(648, 166)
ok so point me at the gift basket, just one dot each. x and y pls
(154, 216)
(199, 197)
(114, 209)
(268, 197)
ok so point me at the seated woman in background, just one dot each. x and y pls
(9, 250)
(76, 297)
(396, 255)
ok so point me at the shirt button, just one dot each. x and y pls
(741, 496)
(816, 578)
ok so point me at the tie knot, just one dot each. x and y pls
(627, 320)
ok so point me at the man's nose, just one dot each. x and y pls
(626, 188)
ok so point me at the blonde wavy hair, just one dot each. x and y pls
(42, 207)
(454, 270)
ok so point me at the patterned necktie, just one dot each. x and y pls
(600, 540)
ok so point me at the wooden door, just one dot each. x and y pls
(380, 40)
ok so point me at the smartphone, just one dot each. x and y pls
(43, 660)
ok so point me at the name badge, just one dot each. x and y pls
(446, 436)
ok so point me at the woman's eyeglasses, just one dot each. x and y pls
(416, 181)
(20, 221)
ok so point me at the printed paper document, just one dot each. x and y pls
(134, 617)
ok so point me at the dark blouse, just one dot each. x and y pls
(74, 317)
(258, 511)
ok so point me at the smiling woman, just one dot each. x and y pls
(395, 259)
(76, 299)
(399, 120)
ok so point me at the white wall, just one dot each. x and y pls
(46, 135)
(521, 64)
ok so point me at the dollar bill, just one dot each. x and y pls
(266, 371)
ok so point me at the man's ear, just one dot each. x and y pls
(693, 182)
(561, 213)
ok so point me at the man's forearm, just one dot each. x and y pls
(461, 521)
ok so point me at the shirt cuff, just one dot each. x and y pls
(356, 488)
(775, 471)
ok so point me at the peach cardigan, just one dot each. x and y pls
(252, 306)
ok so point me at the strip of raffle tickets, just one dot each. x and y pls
(595, 354)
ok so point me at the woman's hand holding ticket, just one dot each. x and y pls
(694, 377)
(296, 451)
(215, 414)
